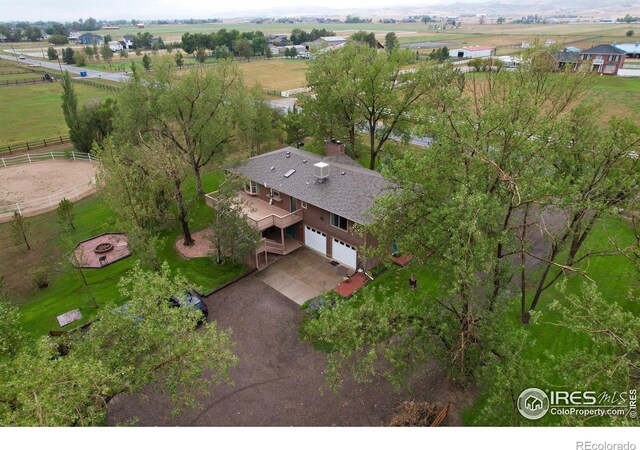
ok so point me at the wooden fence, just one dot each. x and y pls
(96, 84)
(8, 83)
(51, 200)
(34, 145)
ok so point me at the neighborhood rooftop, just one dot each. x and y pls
(349, 191)
(604, 49)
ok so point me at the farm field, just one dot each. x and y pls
(278, 74)
(34, 112)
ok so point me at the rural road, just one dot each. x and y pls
(111, 76)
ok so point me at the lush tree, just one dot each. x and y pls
(287, 52)
(89, 124)
(146, 62)
(500, 20)
(58, 39)
(376, 86)
(80, 58)
(630, 33)
(65, 213)
(363, 37)
(293, 52)
(106, 53)
(391, 42)
(67, 55)
(52, 54)
(501, 233)
(201, 55)
(296, 127)
(233, 235)
(258, 127)
(179, 59)
(88, 51)
(242, 47)
(20, 230)
(71, 380)
(259, 45)
(204, 103)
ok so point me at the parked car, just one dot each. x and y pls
(22, 57)
(192, 300)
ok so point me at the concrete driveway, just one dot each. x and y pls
(302, 275)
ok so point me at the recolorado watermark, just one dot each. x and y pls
(535, 403)
(588, 445)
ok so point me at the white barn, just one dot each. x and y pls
(476, 51)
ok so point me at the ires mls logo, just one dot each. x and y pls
(533, 403)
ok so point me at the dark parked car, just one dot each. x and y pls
(192, 300)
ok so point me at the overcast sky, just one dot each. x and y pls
(67, 10)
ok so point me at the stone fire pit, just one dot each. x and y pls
(105, 247)
(102, 250)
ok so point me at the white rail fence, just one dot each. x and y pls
(51, 200)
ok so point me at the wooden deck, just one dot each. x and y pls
(261, 215)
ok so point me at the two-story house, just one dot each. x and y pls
(296, 198)
(603, 59)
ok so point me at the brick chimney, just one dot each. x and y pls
(334, 147)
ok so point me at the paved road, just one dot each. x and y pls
(112, 76)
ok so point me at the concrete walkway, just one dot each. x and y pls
(302, 275)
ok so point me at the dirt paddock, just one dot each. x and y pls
(30, 184)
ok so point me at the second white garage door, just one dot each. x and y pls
(316, 240)
(344, 253)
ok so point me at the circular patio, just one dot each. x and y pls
(100, 251)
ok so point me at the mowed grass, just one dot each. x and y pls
(619, 97)
(51, 242)
(275, 74)
(34, 112)
(616, 279)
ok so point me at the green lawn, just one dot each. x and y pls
(39, 308)
(620, 96)
(34, 112)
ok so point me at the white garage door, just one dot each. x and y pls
(316, 240)
(344, 253)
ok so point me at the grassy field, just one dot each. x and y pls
(34, 112)
(618, 96)
(39, 308)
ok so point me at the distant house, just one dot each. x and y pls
(566, 59)
(296, 198)
(127, 41)
(328, 41)
(89, 39)
(603, 59)
(632, 50)
(277, 40)
(140, 25)
(475, 51)
(116, 46)
(280, 50)
(74, 36)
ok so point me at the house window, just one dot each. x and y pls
(253, 188)
(303, 204)
(274, 194)
(339, 222)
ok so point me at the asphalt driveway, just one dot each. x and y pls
(302, 275)
(279, 379)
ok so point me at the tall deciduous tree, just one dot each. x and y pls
(196, 113)
(65, 213)
(157, 346)
(391, 42)
(374, 89)
(20, 229)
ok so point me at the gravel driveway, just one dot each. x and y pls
(279, 379)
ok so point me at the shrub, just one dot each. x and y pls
(40, 277)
